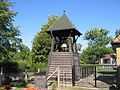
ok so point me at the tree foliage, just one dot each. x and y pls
(23, 54)
(117, 32)
(9, 34)
(42, 42)
(94, 53)
(97, 37)
(98, 40)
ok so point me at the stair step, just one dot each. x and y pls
(61, 71)
(66, 72)
(62, 81)
(61, 62)
(61, 68)
(60, 53)
(70, 81)
(65, 67)
(60, 59)
(61, 74)
(61, 56)
(61, 65)
(62, 78)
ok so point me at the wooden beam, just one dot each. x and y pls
(58, 76)
(52, 74)
(70, 44)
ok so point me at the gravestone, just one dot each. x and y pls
(40, 82)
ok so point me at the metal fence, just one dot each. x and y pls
(101, 76)
(106, 75)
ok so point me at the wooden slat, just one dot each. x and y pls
(64, 60)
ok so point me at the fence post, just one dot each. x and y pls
(118, 76)
(95, 77)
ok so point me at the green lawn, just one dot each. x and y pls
(106, 73)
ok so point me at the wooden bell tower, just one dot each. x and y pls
(64, 51)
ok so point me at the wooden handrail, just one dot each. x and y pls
(52, 73)
(58, 79)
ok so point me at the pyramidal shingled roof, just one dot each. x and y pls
(63, 23)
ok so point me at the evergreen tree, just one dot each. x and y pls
(42, 42)
(23, 54)
(9, 34)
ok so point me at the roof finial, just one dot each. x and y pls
(64, 11)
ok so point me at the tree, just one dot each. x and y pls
(98, 40)
(42, 42)
(117, 32)
(9, 34)
(23, 54)
(93, 54)
(97, 37)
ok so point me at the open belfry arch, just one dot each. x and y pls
(64, 52)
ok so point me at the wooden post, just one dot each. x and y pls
(58, 76)
(53, 47)
(74, 45)
(118, 76)
(95, 77)
(73, 75)
(70, 44)
(1, 70)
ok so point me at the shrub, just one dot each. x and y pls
(54, 85)
(2, 88)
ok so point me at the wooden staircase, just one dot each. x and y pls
(64, 61)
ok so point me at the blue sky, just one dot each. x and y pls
(85, 15)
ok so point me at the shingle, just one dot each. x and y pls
(63, 23)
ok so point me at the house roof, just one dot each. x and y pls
(63, 24)
(116, 40)
(107, 56)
